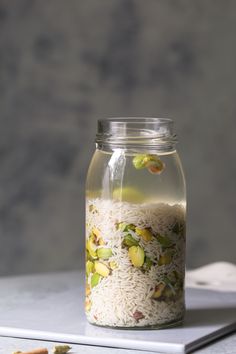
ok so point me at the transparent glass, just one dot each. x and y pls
(135, 226)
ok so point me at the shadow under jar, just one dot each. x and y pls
(135, 226)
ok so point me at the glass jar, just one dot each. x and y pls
(135, 226)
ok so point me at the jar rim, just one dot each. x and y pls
(155, 132)
(138, 119)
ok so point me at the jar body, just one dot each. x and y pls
(135, 238)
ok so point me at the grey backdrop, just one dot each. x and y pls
(63, 64)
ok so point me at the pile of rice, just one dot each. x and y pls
(128, 290)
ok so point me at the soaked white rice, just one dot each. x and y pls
(128, 289)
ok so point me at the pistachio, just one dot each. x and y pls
(174, 284)
(165, 258)
(152, 162)
(61, 349)
(122, 226)
(158, 291)
(96, 232)
(95, 279)
(156, 167)
(88, 254)
(102, 269)
(170, 290)
(91, 247)
(176, 228)
(140, 161)
(175, 280)
(89, 267)
(144, 233)
(179, 228)
(104, 253)
(113, 265)
(147, 263)
(167, 280)
(129, 241)
(136, 255)
(97, 237)
(88, 304)
(164, 241)
(91, 207)
(173, 277)
(101, 242)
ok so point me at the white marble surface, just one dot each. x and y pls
(30, 307)
(225, 345)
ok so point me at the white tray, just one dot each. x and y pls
(50, 307)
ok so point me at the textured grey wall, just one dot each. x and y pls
(63, 64)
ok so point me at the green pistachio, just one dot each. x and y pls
(113, 265)
(147, 263)
(152, 162)
(145, 234)
(179, 228)
(91, 247)
(176, 279)
(95, 279)
(61, 349)
(173, 276)
(96, 232)
(122, 226)
(169, 292)
(137, 256)
(104, 253)
(89, 267)
(102, 269)
(129, 241)
(91, 208)
(170, 287)
(176, 228)
(88, 257)
(159, 288)
(165, 258)
(140, 161)
(164, 241)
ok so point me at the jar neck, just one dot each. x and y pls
(154, 134)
